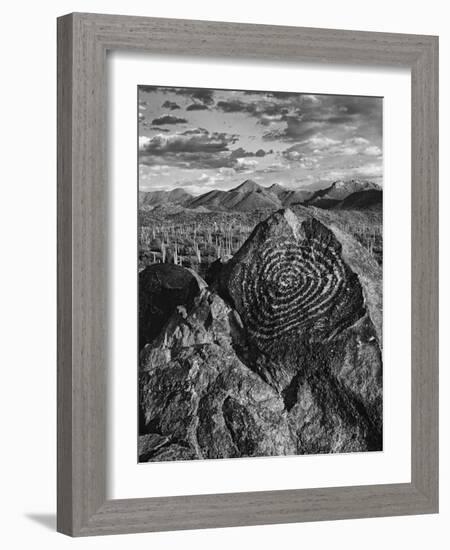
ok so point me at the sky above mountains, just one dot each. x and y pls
(202, 139)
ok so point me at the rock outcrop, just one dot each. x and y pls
(162, 287)
(281, 355)
(199, 400)
(310, 304)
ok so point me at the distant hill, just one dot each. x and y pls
(338, 191)
(325, 203)
(246, 196)
(362, 200)
(211, 200)
(153, 199)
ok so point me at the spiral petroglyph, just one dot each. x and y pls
(290, 287)
(293, 282)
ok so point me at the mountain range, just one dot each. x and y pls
(161, 198)
(339, 191)
(249, 196)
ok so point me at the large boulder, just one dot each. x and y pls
(162, 287)
(309, 297)
(214, 270)
(199, 400)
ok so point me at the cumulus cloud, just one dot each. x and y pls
(266, 111)
(274, 167)
(311, 134)
(300, 115)
(293, 154)
(197, 107)
(372, 170)
(227, 171)
(300, 159)
(194, 148)
(205, 182)
(242, 163)
(143, 142)
(277, 166)
(195, 189)
(240, 152)
(191, 141)
(168, 119)
(321, 142)
(326, 114)
(372, 151)
(170, 105)
(158, 129)
(319, 145)
(295, 129)
(204, 95)
(148, 89)
(234, 106)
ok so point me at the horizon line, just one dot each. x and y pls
(307, 188)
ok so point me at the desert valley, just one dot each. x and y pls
(194, 231)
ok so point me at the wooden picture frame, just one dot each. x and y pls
(83, 41)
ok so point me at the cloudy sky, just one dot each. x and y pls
(202, 139)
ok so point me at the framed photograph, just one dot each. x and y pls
(247, 274)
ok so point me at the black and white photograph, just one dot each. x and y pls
(223, 234)
(260, 257)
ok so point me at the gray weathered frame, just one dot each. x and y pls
(83, 41)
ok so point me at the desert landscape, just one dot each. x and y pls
(260, 307)
(195, 231)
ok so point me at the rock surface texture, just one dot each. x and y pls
(162, 287)
(281, 354)
(199, 400)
